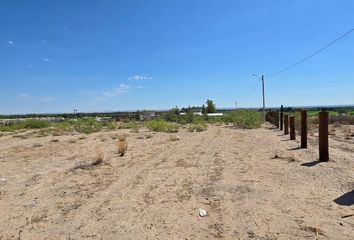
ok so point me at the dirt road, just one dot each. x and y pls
(254, 184)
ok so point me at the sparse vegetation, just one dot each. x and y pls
(130, 125)
(25, 124)
(197, 127)
(244, 119)
(162, 126)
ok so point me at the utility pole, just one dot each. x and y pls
(262, 78)
(263, 97)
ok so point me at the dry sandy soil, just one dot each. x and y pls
(254, 184)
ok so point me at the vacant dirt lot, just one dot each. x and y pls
(254, 184)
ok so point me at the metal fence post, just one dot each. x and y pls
(286, 124)
(281, 117)
(323, 136)
(292, 128)
(303, 129)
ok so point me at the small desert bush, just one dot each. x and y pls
(174, 138)
(162, 126)
(197, 127)
(147, 136)
(244, 118)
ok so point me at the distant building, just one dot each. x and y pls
(215, 114)
(208, 114)
(147, 115)
(103, 119)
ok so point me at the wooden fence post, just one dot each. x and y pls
(303, 129)
(292, 128)
(281, 117)
(323, 136)
(286, 124)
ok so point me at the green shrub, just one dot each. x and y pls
(244, 118)
(162, 126)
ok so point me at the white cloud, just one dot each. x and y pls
(10, 42)
(140, 77)
(119, 90)
(46, 59)
(25, 95)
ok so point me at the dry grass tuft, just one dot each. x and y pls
(37, 145)
(89, 164)
(122, 147)
(38, 217)
(99, 156)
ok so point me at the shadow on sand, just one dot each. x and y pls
(346, 199)
(310, 164)
(295, 148)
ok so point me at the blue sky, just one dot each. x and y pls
(138, 54)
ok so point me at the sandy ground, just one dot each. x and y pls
(254, 184)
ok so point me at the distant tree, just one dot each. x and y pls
(137, 115)
(204, 110)
(190, 115)
(211, 108)
(173, 115)
(176, 111)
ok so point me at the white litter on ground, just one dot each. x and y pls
(202, 212)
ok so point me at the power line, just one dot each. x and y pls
(311, 55)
